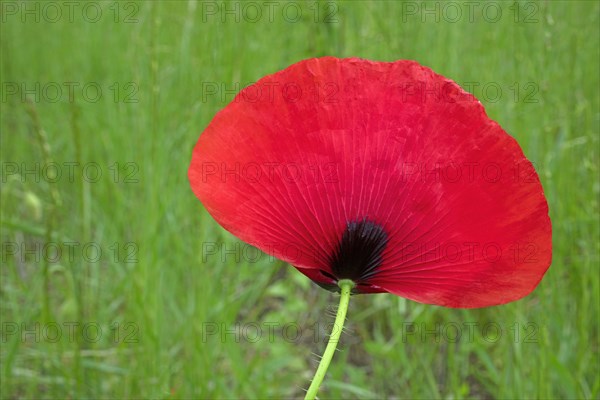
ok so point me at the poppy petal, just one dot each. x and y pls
(383, 172)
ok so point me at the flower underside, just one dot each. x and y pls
(358, 254)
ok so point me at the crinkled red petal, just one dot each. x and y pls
(326, 142)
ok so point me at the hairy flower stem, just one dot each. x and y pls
(346, 286)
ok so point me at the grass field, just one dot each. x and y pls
(116, 283)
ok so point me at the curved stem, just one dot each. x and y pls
(346, 285)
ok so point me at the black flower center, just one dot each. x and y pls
(360, 251)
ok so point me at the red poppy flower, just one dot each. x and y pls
(387, 174)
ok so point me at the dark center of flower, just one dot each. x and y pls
(359, 251)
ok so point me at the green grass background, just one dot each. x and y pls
(162, 302)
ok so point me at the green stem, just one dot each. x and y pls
(346, 285)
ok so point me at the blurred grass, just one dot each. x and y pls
(157, 309)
